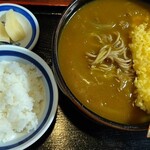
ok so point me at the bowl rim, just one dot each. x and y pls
(71, 9)
(33, 58)
(31, 19)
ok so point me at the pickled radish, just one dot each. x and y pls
(3, 34)
(13, 28)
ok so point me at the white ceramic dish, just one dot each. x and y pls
(16, 53)
(28, 22)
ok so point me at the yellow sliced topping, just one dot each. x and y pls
(3, 34)
(13, 28)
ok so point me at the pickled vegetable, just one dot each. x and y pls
(3, 34)
(13, 27)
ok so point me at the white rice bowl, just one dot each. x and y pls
(32, 126)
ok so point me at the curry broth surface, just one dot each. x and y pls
(97, 93)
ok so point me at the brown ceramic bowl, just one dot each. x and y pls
(76, 5)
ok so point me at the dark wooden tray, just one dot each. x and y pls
(39, 2)
(71, 130)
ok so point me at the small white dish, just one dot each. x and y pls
(28, 22)
(20, 54)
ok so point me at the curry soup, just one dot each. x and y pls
(97, 89)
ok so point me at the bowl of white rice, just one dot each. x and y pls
(28, 97)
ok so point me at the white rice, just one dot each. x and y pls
(21, 94)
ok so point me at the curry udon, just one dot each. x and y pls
(95, 59)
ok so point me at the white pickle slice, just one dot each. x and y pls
(13, 28)
(3, 34)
